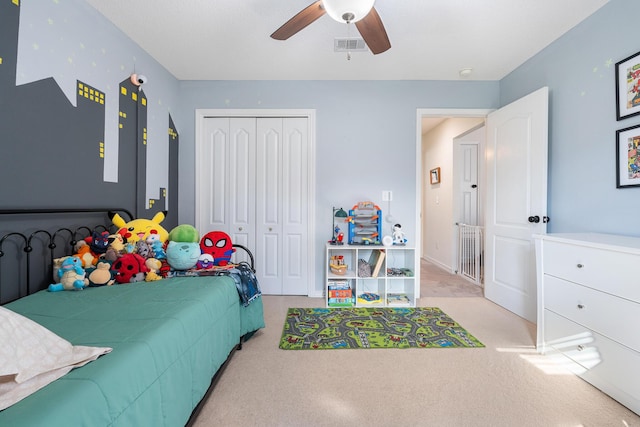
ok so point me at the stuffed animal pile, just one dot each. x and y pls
(137, 248)
(141, 250)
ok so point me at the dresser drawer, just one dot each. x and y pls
(606, 364)
(613, 317)
(606, 270)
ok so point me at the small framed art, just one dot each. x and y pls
(628, 157)
(628, 87)
(434, 176)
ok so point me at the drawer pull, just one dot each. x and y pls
(580, 347)
(580, 265)
(580, 306)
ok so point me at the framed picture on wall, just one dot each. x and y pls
(434, 176)
(628, 157)
(628, 87)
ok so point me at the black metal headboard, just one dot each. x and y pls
(32, 238)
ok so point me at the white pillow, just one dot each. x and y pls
(31, 357)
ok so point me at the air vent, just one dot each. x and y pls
(349, 45)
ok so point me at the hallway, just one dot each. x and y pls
(437, 282)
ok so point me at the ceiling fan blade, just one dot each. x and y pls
(298, 22)
(372, 31)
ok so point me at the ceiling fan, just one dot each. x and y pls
(360, 12)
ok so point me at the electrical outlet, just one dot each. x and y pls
(387, 196)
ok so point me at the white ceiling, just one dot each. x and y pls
(430, 39)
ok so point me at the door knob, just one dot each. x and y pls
(534, 218)
(474, 186)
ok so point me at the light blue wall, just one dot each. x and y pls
(579, 69)
(365, 136)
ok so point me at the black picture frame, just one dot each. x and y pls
(628, 87)
(628, 157)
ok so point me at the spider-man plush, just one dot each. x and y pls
(218, 245)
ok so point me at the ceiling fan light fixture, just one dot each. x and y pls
(347, 10)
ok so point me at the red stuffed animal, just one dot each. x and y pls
(130, 268)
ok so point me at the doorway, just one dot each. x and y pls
(440, 205)
(516, 193)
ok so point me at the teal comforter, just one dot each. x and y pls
(168, 337)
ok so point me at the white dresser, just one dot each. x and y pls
(589, 309)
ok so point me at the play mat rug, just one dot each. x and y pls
(369, 327)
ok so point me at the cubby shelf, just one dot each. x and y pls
(395, 283)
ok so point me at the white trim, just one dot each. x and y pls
(453, 112)
(203, 113)
(432, 112)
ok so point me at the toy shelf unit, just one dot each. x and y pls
(370, 276)
(365, 224)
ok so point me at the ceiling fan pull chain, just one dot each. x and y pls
(348, 40)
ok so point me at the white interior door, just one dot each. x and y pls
(226, 166)
(295, 206)
(269, 205)
(466, 188)
(282, 203)
(516, 155)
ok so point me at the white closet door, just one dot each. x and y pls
(242, 177)
(227, 173)
(295, 206)
(253, 182)
(282, 203)
(269, 204)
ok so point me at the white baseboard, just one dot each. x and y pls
(440, 264)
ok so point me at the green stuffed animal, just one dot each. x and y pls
(184, 233)
(183, 249)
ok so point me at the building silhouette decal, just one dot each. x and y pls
(52, 153)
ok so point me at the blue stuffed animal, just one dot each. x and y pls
(72, 276)
(156, 246)
(183, 255)
(183, 249)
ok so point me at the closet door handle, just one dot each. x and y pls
(580, 306)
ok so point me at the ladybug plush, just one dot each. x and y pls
(130, 268)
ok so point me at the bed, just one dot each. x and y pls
(170, 341)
